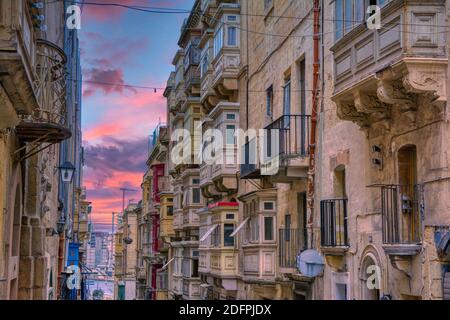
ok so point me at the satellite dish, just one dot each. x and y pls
(310, 263)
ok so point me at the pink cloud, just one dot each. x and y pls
(103, 12)
(105, 80)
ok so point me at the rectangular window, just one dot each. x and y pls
(195, 181)
(287, 97)
(348, 15)
(339, 19)
(230, 134)
(268, 206)
(231, 116)
(215, 237)
(218, 41)
(227, 231)
(194, 273)
(232, 36)
(196, 195)
(268, 228)
(229, 216)
(170, 211)
(232, 18)
(255, 229)
(205, 63)
(269, 101)
(351, 13)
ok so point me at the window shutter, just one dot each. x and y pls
(447, 286)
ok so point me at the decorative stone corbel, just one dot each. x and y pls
(393, 93)
(367, 103)
(347, 111)
(426, 77)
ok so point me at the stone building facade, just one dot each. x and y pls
(32, 124)
(383, 151)
(378, 209)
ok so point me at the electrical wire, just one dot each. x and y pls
(166, 10)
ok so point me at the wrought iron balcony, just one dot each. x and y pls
(293, 135)
(401, 209)
(333, 223)
(291, 243)
(47, 122)
(289, 151)
(249, 169)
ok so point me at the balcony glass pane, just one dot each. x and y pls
(232, 36)
(227, 231)
(339, 19)
(348, 15)
(268, 228)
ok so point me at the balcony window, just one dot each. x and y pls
(287, 97)
(215, 238)
(351, 13)
(268, 229)
(194, 273)
(218, 41)
(204, 63)
(230, 135)
(232, 36)
(228, 241)
(252, 230)
(196, 195)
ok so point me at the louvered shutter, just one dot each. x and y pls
(447, 286)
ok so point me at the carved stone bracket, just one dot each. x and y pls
(408, 84)
(393, 93)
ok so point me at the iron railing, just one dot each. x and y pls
(50, 84)
(248, 167)
(293, 135)
(333, 223)
(401, 214)
(291, 243)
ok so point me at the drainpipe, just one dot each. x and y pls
(312, 144)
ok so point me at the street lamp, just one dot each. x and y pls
(60, 225)
(67, 170)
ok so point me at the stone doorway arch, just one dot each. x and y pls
(371, 275)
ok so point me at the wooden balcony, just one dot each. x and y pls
(226, 69)
(191, 289)
(401, 64)
(190, 218)
(178, 220)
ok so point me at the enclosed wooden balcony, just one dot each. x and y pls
(403, 63)
(258, 234)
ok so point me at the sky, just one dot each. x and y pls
(123, 46)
